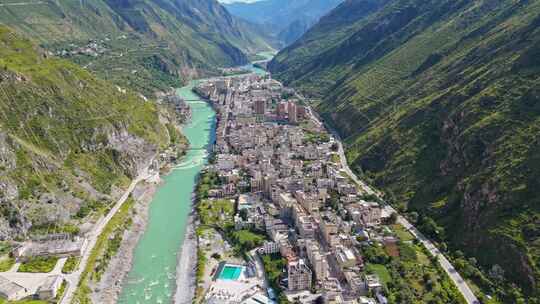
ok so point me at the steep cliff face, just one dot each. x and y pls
(439, 105)
(68, 141)
(146, 45)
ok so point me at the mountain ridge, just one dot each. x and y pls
(286, 20)
(165, 41)
(72, 145)
(437, 102)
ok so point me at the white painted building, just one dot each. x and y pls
(270, 247)
(11, 291)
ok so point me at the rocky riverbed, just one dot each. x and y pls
(165, 254)
(187, 264)
(110, 286)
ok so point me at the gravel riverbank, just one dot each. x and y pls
(110, 286)
(187, 264)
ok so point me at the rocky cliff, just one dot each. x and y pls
(69, 142)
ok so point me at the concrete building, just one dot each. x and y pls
(281, 110)
(329, 231)
(355, 282)
(306, 227)
(11, 291)
(371, 214)
(268, 183)
(286, 203)
(287, 251)
(301, 112)
(345, 257)
(256, 184)
(259, 299)
(365, 300)
(60, 247)
(308, 201)
(299, 275)
(372, 282)
(259, 106)
(292, 113)
(270, 247)
(317, 260)
(49, 289)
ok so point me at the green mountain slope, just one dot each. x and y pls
(439, 103)
(146, 44)
(69, 142)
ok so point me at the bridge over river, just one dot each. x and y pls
(152, 278)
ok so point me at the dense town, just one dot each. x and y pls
(280, 187)
(280, 219)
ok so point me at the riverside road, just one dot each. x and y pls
(460, 283)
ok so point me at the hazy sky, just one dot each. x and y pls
(231, 1)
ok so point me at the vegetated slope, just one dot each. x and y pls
(68, 142)
(287, 20)
(145, 43)
(439, 103)
(310, 61)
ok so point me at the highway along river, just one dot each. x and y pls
(152, 276)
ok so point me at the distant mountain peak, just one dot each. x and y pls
(286, 20)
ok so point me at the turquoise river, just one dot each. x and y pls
(152, 276)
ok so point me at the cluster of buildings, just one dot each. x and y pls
(93, 48)
(46, 287)
(234, 71)
(290, 188)
(15, 285)
(62, 247)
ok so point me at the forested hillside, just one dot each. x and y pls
(143, 44)
(439, 105)
(69, 142)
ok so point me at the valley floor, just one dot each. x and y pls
(247, 203)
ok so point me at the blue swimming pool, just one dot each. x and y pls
(230, 272)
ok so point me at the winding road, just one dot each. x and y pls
(460, 283)
(443, 261)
